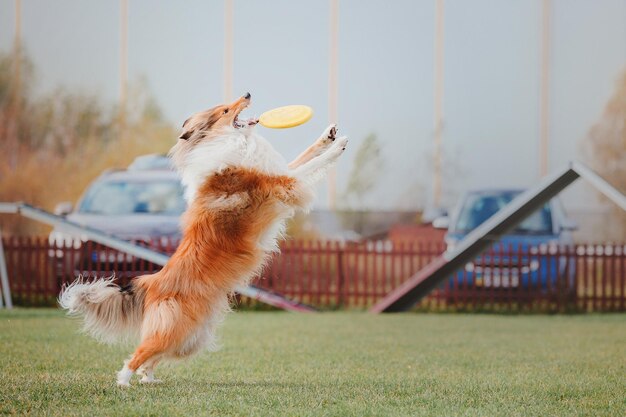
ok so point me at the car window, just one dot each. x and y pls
(129, 197)
(478, 207)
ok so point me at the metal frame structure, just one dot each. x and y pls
(4, 279)
(158, 258)
(424, 281)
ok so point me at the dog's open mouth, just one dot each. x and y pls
(240, 123)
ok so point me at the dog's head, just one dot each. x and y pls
(216, 138)
(213, 134)
(219, 120)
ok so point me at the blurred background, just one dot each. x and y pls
(438, 97)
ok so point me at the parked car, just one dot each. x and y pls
(525, 257)
(141, 203)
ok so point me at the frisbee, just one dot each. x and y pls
(287, 116)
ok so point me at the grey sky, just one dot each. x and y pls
(491, 105)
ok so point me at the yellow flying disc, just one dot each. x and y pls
(287, 116)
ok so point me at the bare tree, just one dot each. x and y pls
(13, 104)
(606, 143)
(365, 171)
(363, 177)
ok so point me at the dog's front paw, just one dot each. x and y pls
(329, 136)
(343, 142)
(331, 132)
(338, 147)
(124, 375)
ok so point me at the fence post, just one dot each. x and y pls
(572, 288)
(563, 303)
(340, 277)
(622, 278)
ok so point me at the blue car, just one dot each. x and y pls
(530, 256)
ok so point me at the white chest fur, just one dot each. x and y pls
(244, 150)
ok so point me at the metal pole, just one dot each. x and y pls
(228, 50)
(333, 110)
(13, 128)
(123, 60)
(4, 277)
(544, 134)
(438, 101)
(18, 54)
(600, 184)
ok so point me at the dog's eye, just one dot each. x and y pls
(225, 111)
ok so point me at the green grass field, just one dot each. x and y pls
(332, 364)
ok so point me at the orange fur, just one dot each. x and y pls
(219, 247)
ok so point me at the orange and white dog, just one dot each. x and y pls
(240, 192)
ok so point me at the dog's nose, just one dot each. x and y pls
(247, 96)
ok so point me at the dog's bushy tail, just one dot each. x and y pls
(111, 313)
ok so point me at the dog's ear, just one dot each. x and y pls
(187, 131)
(200, 122)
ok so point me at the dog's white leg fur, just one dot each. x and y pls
(310, 171)
(146, 371)
(319, 147)
(328, 136)
(148, 377)
(124, 375)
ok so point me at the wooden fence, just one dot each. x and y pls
(331, 274)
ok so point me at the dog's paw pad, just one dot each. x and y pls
(329, 135)
(332, 133)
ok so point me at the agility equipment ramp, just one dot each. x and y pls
(424, 281)
(34, 213)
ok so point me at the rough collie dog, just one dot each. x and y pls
(239, 191)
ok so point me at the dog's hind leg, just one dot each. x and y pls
(321, 144)
(146, 371)
(149, 351)
(124, 376)
(163, 328)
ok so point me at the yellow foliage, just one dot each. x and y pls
(54, 146)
